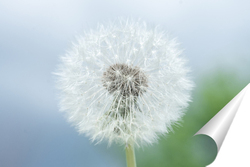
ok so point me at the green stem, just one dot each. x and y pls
(130, 156)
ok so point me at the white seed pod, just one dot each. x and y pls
(125, 83)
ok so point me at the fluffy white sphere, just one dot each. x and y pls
(124, 82)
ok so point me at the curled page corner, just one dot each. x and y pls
(218, 127)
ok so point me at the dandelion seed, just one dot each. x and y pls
(124, 83)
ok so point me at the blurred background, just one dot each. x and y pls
(33, 34)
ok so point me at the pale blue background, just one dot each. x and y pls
(33, 34)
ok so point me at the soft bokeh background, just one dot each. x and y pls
(33, 34)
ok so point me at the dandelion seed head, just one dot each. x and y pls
(126, 79)
(124, 82)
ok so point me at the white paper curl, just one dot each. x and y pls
(237, 115)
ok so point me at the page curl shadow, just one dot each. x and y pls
(203, 149)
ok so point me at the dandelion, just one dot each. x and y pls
(125, 83)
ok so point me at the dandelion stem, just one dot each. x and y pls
(130, 156)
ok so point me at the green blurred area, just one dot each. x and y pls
(179, 148)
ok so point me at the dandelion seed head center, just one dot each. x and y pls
(125, 79)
